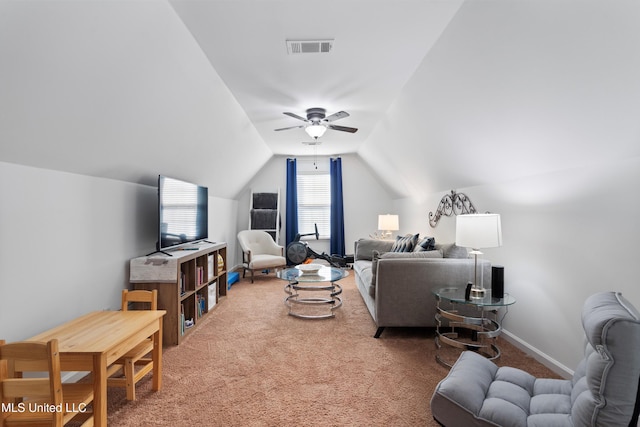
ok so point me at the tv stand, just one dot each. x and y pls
(189, 284)
(179, 247)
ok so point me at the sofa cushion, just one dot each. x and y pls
(397, 255)
(476, 392)
(425, 244)
(417, 255)
(266, 261)
(365, 248)
(363, 269)
(451, 250)
(405, 243)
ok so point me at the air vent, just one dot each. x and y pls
(295, 47)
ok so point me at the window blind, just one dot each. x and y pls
(314, 203)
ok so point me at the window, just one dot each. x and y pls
(314, 203)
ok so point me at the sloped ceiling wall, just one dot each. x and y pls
(118, 90)
(515, 89)
(378, 44)
(122, 90)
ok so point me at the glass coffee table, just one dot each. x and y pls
(481, 320)
(322, 294)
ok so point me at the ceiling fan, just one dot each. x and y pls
(317, 122)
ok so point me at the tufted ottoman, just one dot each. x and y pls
(603, 390)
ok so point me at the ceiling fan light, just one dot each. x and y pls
(315, 130)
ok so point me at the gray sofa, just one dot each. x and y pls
(397, 286)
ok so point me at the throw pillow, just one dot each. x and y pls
(405, 244)
(396, 255)
(425, 244)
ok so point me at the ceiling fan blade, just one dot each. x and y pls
(336, 116)
(343, 128)
(295, 116)
(291, 127)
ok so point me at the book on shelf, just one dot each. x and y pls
(200, 305)
(181, 319)
(200, 275)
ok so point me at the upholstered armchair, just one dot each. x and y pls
(603, 391)
(260, 251)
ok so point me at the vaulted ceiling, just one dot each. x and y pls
(377, 46)
(445, 94)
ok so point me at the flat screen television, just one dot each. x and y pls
(183, 212)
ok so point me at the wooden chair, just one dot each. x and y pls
(136, 356)
(40, 401)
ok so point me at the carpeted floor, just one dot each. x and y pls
(250, 364)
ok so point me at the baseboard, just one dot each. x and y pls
(538, 355)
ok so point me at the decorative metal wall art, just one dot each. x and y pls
(452, 204)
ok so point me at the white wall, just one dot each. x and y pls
(566, 235)
(67, 240)
(98, 99)
(121, 90)
(365, 197)
(223, 222)
(531, 108)
(515, 89)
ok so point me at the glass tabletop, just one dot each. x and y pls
(324, 274)
(457, 295)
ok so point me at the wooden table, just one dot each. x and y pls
(96, 340)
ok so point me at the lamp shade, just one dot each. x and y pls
(315, 130)
(388, 222)
(478, 231)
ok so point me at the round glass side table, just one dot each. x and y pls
(469, 324)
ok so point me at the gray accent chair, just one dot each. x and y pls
(603, 391)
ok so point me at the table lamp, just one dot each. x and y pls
(388, 223)
(477, 231)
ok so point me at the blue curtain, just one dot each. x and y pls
(336, 242)
(292, 202)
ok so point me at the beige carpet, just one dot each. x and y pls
(250, 364)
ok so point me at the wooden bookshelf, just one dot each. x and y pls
(189, 282)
